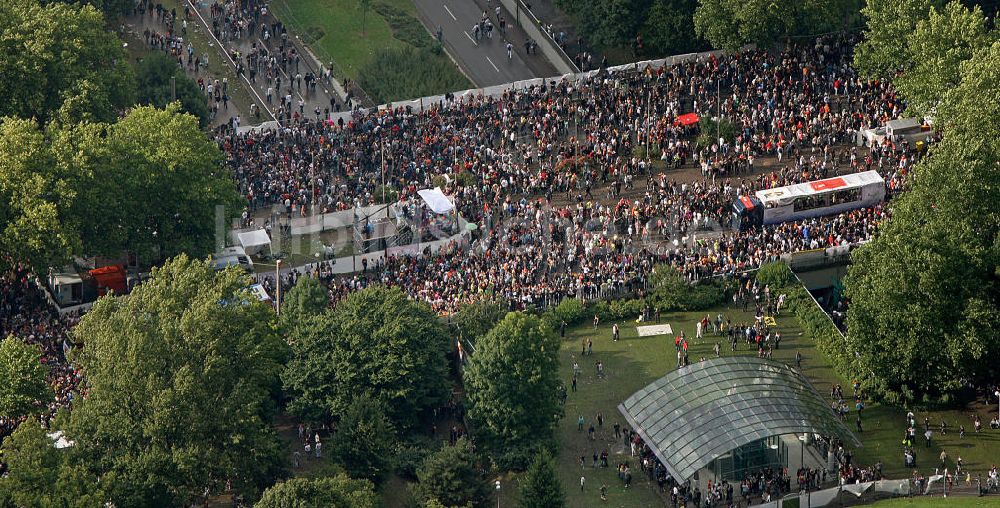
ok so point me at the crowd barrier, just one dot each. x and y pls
(460, 97)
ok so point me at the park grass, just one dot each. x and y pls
(937, 501)
(332, 28)
(393, 58)
(634, 362)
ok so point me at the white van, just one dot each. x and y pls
(232, 256)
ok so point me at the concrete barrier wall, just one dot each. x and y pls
(498, 90)
(533, 28)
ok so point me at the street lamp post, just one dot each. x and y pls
(997, 393)
(277, 284)
(498, 493)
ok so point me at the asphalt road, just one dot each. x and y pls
(484, 60)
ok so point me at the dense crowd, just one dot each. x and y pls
(567, 136)
(27, 315)
(551, 173)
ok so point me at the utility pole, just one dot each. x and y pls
(385, 239)
(173, 88)
(718, 119)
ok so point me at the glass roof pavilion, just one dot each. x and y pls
(698, 413)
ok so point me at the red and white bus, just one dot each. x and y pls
(809, 199)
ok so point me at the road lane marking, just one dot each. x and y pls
(470, 38)
(493, 64)
(450, 13)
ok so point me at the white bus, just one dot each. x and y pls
(809, 199)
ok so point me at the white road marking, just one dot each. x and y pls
(450, 13)
(470, 38)
(493, 64)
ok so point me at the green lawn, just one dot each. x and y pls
(634, 362)
(936, 501)
(338, 25)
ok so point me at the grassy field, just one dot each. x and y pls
(392, 57)
(934, 502)
(633, 362)
(332, 28)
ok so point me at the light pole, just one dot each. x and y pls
(498, 493)
(277, 284)
(997, 393)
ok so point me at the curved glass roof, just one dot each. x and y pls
(697, 413)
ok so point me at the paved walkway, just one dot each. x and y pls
(484, 60)
(290, 78)
(135, 28)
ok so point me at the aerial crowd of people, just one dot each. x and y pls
(565, 180)
(579, 187)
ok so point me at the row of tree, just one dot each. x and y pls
(670, 27)
(185, 374)
(925, 294)
(376, 367)
(151, 183)
(83, 168)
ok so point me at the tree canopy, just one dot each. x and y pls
(475, 320)
(41, 475)
(364, 440)
(60, 55)
(306, 299)
(153, 80)
(924, 290)
(151, 183)
(164, 176)
(24, 389)
(730, 24)
(338, 491)
(37, 225)
(889, 23)
(180, 376)
(540, 487)
(450, 477)
(664, 25)
(512, 384)
(375, 342)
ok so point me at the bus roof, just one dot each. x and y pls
(851, 181)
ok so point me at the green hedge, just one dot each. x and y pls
(669, 293)
(407, 73)
(817, 325)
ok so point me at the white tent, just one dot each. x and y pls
(59, 441)
(254, 241)
(436, 200)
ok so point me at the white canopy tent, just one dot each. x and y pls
(436, 200)
(254, 241)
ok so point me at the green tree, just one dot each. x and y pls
(153, 78)
(338, 491)
(179, 376)
(775, 274)
(59, 53)
(36, 225)
(24, 390)
(475, 320)
(889, 24)
(729, 24)
(375, 342)
(923, 292)
(668, 28)
(540, 487)
(40, 475)
(364, 440)
(164, 177)
(450, 477)
(608, 23)
(306, 299)
(512, 384)
(936, 48)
